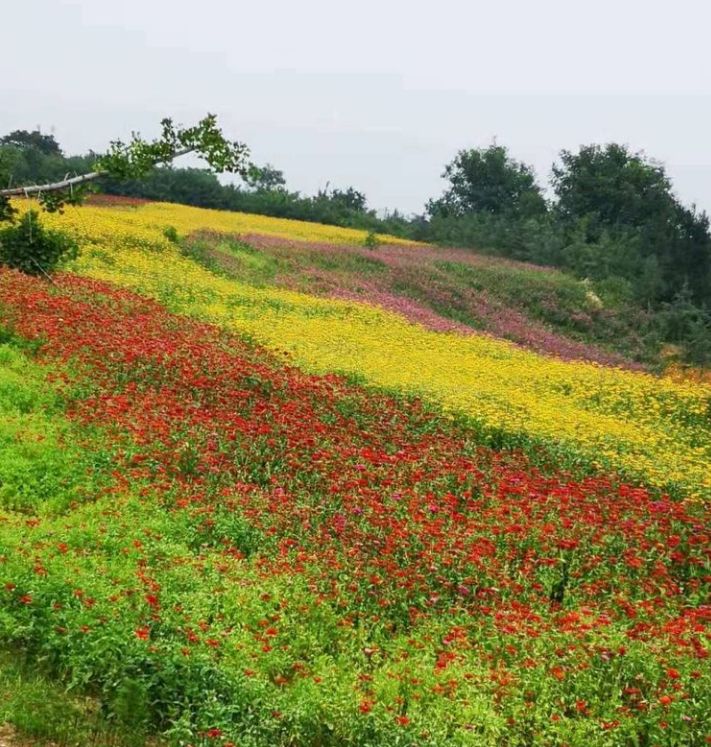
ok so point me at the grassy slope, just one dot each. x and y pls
(540, 308)
(38, 711)
(181, 545)
(472, 292)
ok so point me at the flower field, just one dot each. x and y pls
(211, 529)
(656, 430)
(147, 222)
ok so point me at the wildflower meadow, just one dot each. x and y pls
(238, 511)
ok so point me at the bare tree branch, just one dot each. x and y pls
(55, 186)
(69, 183)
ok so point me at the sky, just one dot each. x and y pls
(377, 94)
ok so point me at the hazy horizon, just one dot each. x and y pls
(334, 95)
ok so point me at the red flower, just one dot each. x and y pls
(142, 633)
(366, 706)
(152, 601)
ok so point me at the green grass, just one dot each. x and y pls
(45, 465)
(571, 307)
(233, 258)
(37, 710)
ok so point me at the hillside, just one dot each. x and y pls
(262, 484)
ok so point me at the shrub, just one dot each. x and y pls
(171, 233)
(371, 240)
(33, 249)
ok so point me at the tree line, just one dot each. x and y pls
(612, 216)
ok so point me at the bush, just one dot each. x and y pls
(371, 240)
(687, 325)
(171, 233)
(33, 249)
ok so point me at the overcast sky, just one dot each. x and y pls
(378, 94)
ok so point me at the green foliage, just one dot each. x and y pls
(488, 180)
(132, 160)
(136, 158)
(41, 468)
(171, 233)
(623, 199)
(685, 324)
(611, 186)
(35, 140)
(191, 186)
(33, 249)
(7, 211)
(371, 240)
(38, 708)
(264, 178)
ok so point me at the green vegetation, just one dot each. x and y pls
(581, 310)
(37, 710)
(33, 249)
(489, 181)
(46, 464)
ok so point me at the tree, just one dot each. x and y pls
(350, 199)
(611, 187)
(134, 160)
(32, 249)
(488, 180)
(265, 178)
(617, 193)
(36, 140)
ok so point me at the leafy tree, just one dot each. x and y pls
(29, 246)
(686, 258)
(35, 140)
(606, 256)
(616, 192)
(610, 187)
(488, 180)
(685, 323)
(265, 178)
(350, 199)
